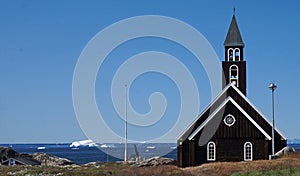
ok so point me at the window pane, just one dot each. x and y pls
(211, 149)
(248, 151)
(230, 54)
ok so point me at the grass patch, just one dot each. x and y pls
(286, 166)
(107, 169)
(285, 172)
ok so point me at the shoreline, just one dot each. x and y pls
(288, 165)
(86, 154)
(83, 153)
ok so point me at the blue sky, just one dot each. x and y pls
(40, 42)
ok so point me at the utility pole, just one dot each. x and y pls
(125, 155)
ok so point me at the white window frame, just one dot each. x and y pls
(245, 151)
(234, 51)
(237, 75)
(208, 151)
(228, 54)
(234, 54)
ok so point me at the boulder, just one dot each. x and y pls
(156, 161)
(50, 160)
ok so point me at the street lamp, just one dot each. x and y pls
(272, 87)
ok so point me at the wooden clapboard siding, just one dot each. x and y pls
(250, 125)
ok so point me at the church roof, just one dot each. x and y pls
(233, 37)
(258, 120)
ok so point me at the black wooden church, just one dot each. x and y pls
(231, 128)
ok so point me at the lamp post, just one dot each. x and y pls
(272, 87)
(125, 154)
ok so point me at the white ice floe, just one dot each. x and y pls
(151, 147)
(41, 148)
(108, 146)
(82, 143)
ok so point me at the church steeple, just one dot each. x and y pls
(234, 37)
(234, 66)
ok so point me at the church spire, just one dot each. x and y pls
(233, 37)
(234, 65)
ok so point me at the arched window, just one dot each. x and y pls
(234, 74)
(230, 54)
(211, 151)
(236, 54)
(248, 151)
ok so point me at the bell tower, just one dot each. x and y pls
(234, 65)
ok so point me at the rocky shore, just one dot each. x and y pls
(50, 160)
(287, 164)
(45, 159)
(7, 154)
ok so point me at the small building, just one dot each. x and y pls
(10, 157)
(231, 128)
(21, 160)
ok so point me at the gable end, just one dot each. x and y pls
(229, 99)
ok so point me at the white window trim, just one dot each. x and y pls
(233, 54)
(237, 75)
(214, 157)
(228, 51)
(245, 158)
(234, 51)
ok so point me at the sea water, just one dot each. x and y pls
(102, 153)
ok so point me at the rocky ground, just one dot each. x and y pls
(49, 160)
(51, 165)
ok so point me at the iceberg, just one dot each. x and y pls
(151, 147)
(41, 148)
(82, 143)
(108, 146)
